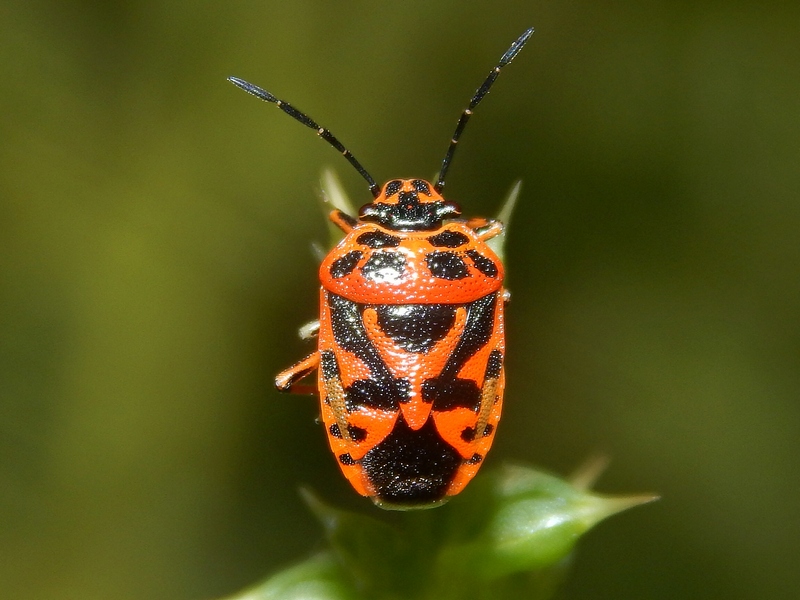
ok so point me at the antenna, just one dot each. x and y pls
(308, 122)
(476, 99)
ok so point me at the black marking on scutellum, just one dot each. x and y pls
(344, 265)
(384, 266)
(378, 239)
(381, 390)
(448, 239)
(477, 332)
(448, 391)
(411, 467)
(447, 265)
(416, 327)
(483, 264)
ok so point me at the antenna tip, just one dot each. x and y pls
(516, 47)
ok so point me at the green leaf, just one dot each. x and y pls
(517, 519)
(508, 535)
(333, 197)
(318, 578)
(497, 243)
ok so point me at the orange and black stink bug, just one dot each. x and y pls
(410, 340)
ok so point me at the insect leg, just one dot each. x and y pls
(286, 381)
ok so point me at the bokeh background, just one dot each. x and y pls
(155, 225)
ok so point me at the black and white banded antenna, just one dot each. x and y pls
(308, 122)
(476, 99)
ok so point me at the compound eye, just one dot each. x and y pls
(450, 210)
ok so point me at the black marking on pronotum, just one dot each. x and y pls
(384, 266)
(448, 239)
(483, 264)
(378, 239)
(303, 118)
(416, 327)
(411, 467)
(479, 94)
(446, 265)
(344, 265)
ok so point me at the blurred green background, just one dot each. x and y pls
(154, 266)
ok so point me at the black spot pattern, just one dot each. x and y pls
(448, 239)
(384, 393)
(494, 364)
(384, 266)
(477, 332)
(483, 264)
(475, 459)
(447, 265)
(378, 239)
(416, 327)
(381, 390)
(328, 365)
(447, 391)
(350, 334)
(357, 434)
(411, 467)
(421, 186)
(346, 459)
(344, 265)
(393, 187)
(468, 434)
